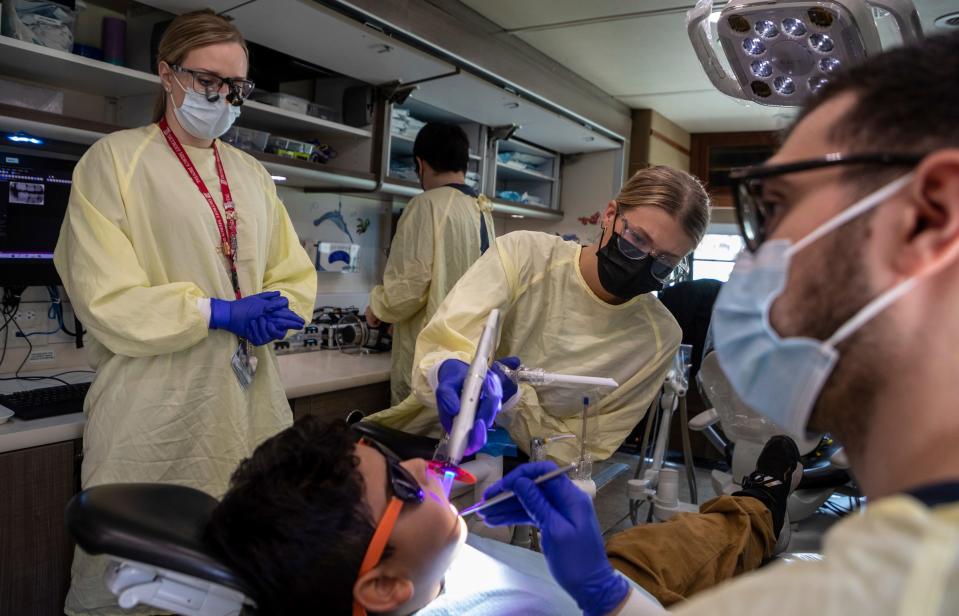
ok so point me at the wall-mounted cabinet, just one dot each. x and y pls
(307, 56)
(126, 97)
(405, 122)
(526, 175)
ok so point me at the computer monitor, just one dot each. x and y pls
(34, 191)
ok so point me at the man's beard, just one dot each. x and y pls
(836, 289)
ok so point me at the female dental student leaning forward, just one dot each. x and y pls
(583, 310)
(182, 263)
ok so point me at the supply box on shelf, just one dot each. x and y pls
(290, 148)
(246, 138)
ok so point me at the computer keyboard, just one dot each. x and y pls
(46, 401)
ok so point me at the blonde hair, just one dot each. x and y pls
(188, 32)
(677, 192)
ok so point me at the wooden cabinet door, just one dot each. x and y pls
(338, 404)
(35, 549)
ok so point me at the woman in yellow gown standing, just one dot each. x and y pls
(183, 265)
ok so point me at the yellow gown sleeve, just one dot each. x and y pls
(288, 267)
(409, 268)
(455, 329)
(100, 271)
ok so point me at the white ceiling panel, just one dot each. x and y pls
(512, 14)
(710, 111)
(645, 61)
(633, 56)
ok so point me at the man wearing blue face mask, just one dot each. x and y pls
(841, 318)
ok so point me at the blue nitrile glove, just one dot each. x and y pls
(238, 316)
(451, 375)
(274, 325)
(510, 387)
(571, 539)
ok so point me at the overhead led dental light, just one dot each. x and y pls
(782, 51)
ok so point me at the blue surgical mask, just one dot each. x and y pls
(781, 378)
(201, 118)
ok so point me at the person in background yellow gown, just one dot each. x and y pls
(441, 233)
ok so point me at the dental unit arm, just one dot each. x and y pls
(538, 376)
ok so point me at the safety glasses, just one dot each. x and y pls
(636, 246)
(758, 215)
(404, 486)
(212, 85)
(406, 490)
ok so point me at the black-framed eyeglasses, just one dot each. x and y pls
(756, 213)
(212, 85)
(636, 246)
(405, 487)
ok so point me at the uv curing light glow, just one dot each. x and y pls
(448, 478)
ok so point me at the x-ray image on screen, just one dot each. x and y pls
(26, 193)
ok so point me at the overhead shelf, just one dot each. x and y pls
(401, 144)
(298, 173)
(522, 210)
(307, 175)
(54, 126)
(510, 172)
(61, 69)
(276, 120)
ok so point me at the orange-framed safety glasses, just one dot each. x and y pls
(405, 490)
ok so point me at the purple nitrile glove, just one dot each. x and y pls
(451, 376)
(571, 539)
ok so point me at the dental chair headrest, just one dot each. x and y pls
(155, 524)
(405, 445)
(738, 421)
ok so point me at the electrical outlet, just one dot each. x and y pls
(25, 316)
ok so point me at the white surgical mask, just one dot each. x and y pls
(200, 117)
(781, 378)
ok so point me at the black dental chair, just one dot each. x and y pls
(153, 534)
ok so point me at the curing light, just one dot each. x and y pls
(781, 52)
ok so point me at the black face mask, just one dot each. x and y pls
(623, 277)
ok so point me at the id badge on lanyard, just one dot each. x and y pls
(243, 361)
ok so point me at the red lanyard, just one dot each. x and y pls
(228, 231)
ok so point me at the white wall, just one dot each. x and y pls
(334, 288)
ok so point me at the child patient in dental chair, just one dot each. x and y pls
(300, 515)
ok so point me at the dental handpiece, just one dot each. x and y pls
(538, 376)
(472, 388)
(499, 498)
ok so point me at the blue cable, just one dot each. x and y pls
(28, 334)
(55, 312)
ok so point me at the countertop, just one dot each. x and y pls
(303, 374)
(316, 372)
